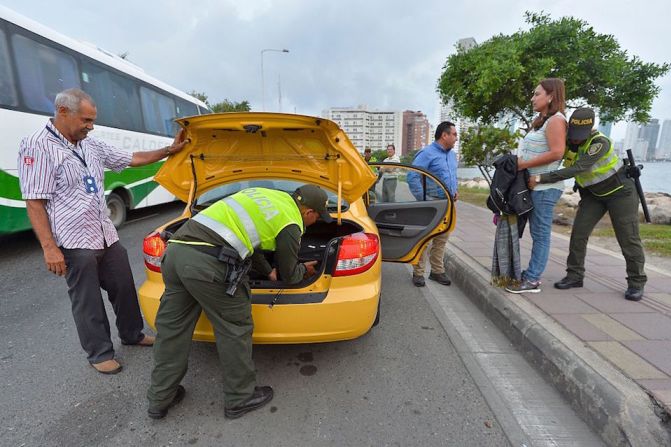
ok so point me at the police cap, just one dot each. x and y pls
(315, 198)
(581, 123)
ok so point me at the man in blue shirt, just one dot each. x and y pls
(439, 160)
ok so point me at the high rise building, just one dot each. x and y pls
(640, 149)
(649, 133)
(416, 131)
(605, 127)
(631, 136)
(664, 145)
(466, 44)
(368, 128)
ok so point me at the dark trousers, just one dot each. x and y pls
(389, 189)
(622, 207)
(195, 282)
(87, 272)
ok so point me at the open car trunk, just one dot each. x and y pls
(320, 243)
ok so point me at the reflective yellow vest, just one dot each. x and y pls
(604, 168)
(251, 218)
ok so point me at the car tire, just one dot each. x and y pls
(116, 209)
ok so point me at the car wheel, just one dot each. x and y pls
(377, 316)
(116, 209)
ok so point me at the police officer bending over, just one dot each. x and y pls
(603, 186)
(205, 268)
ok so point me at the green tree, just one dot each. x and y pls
(409, 157)
(230, 106)
(199, 95)
(497, 77)
(379, 155)
(484, 143)
(224, 106)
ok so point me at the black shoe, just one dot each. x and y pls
(262, 395)
(633, 294)
(159, 413)
(568, 283)
(418, 281)
(440, 278)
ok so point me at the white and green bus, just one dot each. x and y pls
(135, 111)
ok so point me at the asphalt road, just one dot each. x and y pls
(401, 384)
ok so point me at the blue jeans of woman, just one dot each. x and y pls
(540, 227)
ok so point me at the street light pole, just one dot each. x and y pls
(263, 86)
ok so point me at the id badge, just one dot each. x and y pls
(90, 184)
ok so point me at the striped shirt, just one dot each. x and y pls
(50, 170)
(534, 144)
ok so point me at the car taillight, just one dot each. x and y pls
(152, 249)
(357, 253)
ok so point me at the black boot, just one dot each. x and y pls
(160, 413)
(633, 293)
(262, 395)
(568, 283)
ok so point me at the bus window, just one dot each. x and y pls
(43, 73)
(7, 91)
(203, 110)
(185, 108)
(116, 97)
(158, 111)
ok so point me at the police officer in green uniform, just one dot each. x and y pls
(205, 268)
(604, 186)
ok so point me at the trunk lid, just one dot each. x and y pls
(228, 147)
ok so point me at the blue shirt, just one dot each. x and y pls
(440, 163)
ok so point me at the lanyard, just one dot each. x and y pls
(81, 158)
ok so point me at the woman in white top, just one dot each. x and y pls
(390, 175)
(542, 151)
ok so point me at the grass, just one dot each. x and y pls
(475, 196)
(656, 238)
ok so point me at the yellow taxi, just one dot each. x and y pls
(382, 213)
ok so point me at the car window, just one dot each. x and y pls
(288, 186)
(399, 184)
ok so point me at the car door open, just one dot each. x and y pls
(409, 207)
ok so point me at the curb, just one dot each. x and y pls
(613, 405)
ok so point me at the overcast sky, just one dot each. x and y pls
(384, 54)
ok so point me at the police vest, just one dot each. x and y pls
(604, 168)
(251, 218)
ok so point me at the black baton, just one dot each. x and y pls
(634, 172)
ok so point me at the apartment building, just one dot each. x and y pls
(369, 128)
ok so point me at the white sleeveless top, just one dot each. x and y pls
(535, 143)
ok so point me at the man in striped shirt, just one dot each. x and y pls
(61, 173)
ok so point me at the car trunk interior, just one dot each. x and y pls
(319, 243)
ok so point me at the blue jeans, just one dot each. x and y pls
(540, 223)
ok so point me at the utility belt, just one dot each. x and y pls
(610, 185)
(237, 268)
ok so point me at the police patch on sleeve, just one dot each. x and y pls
(594, 149)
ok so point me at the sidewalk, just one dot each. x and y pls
(611, 358)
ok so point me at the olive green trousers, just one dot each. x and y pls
(622, 207)
(195, 282)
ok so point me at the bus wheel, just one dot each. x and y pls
(116, 209)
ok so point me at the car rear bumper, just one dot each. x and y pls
(347, 312)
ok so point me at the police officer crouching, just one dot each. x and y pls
(205, 268)
(604, 186)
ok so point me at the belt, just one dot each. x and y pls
(223, 253)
